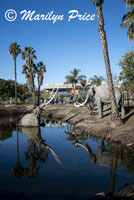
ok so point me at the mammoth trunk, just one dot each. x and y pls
(33, 119)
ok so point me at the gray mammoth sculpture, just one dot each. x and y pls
(101, 96)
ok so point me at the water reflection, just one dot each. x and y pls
(111, 155)
(37, 151)
(18, 170)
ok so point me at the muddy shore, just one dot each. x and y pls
(80, 118)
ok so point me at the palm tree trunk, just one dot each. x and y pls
(128, 99)
(38, 95)
(115, 118)
(32, 80)
(15, 74)
(34, 97)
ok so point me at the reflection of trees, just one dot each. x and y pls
(128, 155)
(113, 169)
(17, 171)
(32, 155)
(5, 131)
(36, 151)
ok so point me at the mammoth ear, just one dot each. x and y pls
(92, 90)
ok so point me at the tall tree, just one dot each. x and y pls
(40, 69)
(129, 2)
(96, 80)
(74, 78)
(14, 50)
(29, 69)
(128, 20)
(115, 117)
(127, 74)
(83, 83)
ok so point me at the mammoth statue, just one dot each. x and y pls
(101, 95)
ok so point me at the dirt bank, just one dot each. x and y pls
(81, 118)
(14, 110)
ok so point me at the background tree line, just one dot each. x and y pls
(30, 69)
(7, 88)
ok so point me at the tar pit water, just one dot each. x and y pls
(60, 162)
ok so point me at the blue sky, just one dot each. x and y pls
(64, 45)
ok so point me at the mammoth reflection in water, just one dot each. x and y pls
(111, 155)
(114, 156)
(33, 153)
(102, 156)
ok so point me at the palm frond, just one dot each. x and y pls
(99, 2)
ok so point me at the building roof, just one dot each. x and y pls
(59, 85)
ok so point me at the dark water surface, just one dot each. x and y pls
(59, 162)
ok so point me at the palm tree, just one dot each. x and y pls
(83, 83)
(74, 78)
(128, 20)
(129, 2)
(96, 80)
(14, 50)
(29, 69)
(40, 69)
(115, 117)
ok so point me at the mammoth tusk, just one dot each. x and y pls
(42, 105)
(54, 155)
(77, 105)
(52, 97)
(80, 105)
(52, 151)
(78, 144)
(52, 92)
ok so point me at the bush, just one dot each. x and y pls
(7, 102)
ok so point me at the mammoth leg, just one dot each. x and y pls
(100, 109)
(90, 107)
(120, 104)
(122, 110)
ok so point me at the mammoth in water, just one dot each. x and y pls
(101, 96)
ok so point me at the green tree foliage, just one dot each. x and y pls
(96, 80)
(7, 88)
(15, 50)
(128, 20)
(74, 78)
(127, 73)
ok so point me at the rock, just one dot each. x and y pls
(29, 120)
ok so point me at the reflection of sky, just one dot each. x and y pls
(63, 46)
